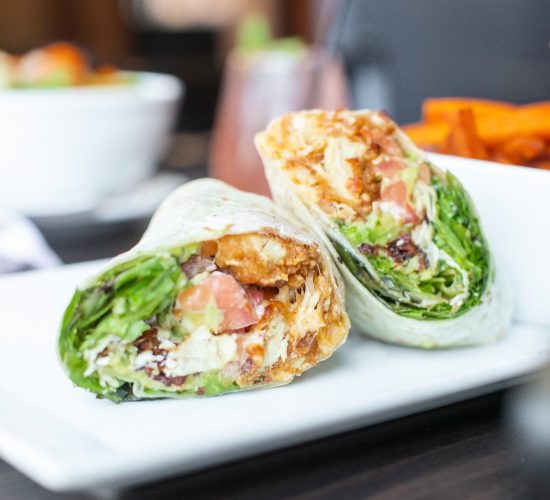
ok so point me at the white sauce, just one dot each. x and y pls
(201, 352)
(276, 343)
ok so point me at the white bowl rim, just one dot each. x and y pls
(150, 86)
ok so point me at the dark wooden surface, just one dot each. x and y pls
(466, 450)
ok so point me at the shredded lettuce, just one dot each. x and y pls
(407, 289)
(376, 230)
(121, 303)
(457, 231)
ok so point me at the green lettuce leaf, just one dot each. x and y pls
(406, 289)
(121, 302)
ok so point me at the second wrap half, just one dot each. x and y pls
(405, 235)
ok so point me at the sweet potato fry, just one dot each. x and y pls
(500, 128)
(521, 149)
(427, 135)
(535, 107)
(444, 108)
(545, 164)
(481, 128)
(463, 139)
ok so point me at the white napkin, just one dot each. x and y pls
(22, 247)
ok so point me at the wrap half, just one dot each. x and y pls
(405, 235)
(222, 293)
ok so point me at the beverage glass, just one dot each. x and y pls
(259, 87)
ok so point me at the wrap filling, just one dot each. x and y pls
(408, 232)
(203, 319)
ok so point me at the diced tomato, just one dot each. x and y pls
(390, 167)
(388, 144)
(231, 299)
(195, 299)
(424, 174)
(396, 192)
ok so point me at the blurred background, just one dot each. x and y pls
(88, 166)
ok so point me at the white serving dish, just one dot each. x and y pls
(64, 438)
(71, 146)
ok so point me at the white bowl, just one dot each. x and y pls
(63, 149)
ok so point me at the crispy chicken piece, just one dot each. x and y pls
(265, 259)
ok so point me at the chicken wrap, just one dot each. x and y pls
(405, 235)
(222, 293)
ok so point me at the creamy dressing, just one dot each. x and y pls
(90, 355)
(200, 352)
(390, 208)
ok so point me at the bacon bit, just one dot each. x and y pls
(200, 391)
(196, 265)
(400, 250)
(395, 192)
(247, 367)
(403, 249)
(149, 342)
(370, 250)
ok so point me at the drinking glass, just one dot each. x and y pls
(259, 87)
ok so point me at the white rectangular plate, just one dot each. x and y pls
(64, 438)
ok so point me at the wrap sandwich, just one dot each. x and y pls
(222, 293)
(405, 235)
